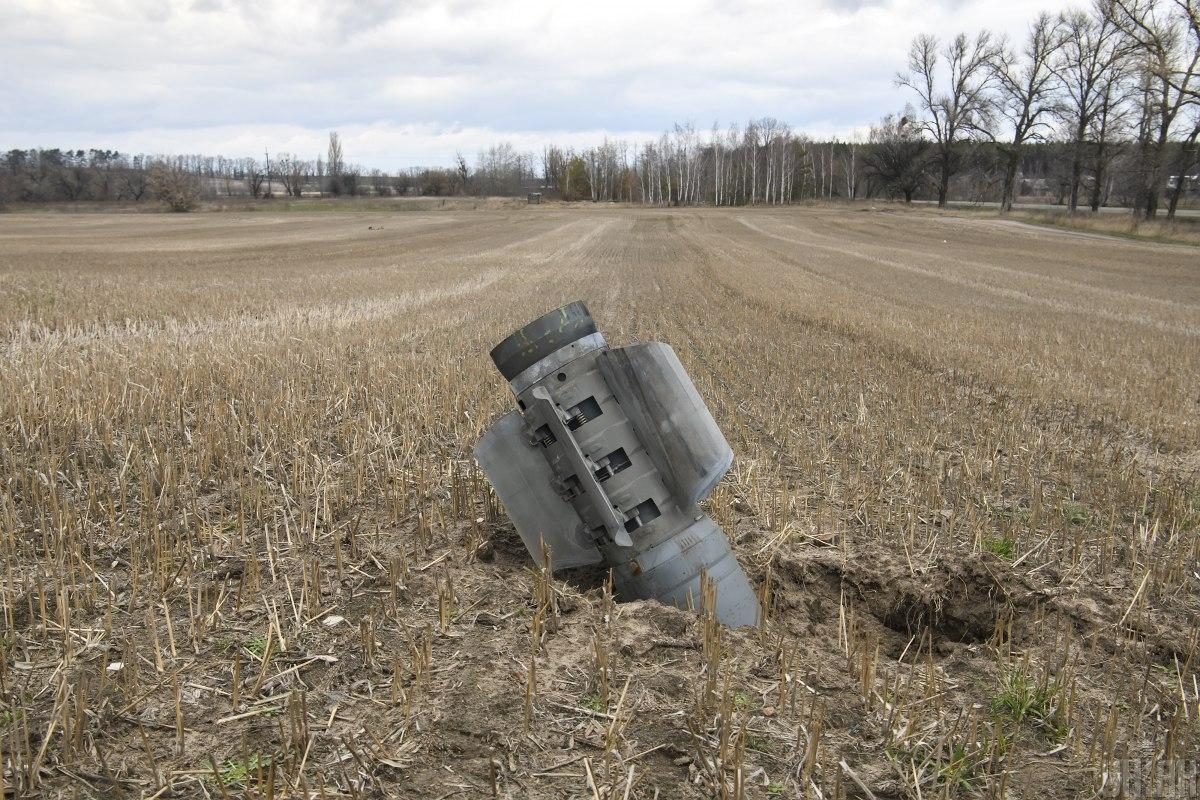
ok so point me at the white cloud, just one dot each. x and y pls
(415, 82)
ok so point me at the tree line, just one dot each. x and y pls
(1116, 82)
(1095, 106)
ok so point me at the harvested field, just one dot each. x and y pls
(246, 552)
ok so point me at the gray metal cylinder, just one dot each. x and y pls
(606, 461)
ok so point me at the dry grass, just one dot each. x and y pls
(244, 204)
(246, 553)
(1183, 230)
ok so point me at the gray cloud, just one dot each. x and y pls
(404, 76)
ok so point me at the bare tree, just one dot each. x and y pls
(1190, 9)
(335, 165)
(1109, 127)
(462, 174)
(1169, 53)
(750, 145)
(851, 163)
(175, 186)
(1092, 49)
(351, 180)
(292, 172)
(8, 183)
(132, 185)
(1025, 88)
(254, 176)
(381, 184)
(72, 181)
(1185, 163)
(1183, 13)
(958, 108)
(501, 170)
(897, 156)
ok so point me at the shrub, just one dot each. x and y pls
(176, 187)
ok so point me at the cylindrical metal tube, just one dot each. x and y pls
(533, 342)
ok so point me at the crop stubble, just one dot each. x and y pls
(246, 553)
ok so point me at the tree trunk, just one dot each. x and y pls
(944, 181)
(1154, 172)
(1187, 157)
(753, 175)
(1076, 177)
(1010, 179)
(1173, 203)
(1150, 188)
(1099, 177)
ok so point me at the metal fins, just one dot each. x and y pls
(522, 480)
(677, 429)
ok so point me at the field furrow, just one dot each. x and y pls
(240, 522)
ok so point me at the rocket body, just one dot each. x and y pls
(606, 460)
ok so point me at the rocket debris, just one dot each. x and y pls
(606, 461)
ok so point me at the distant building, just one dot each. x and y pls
(541, 187)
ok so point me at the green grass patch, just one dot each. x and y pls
(236, 773)
(759, 743)
(1002, 546)
(1076, 513)
(947, 770)
(256, 645)
(1023, 699)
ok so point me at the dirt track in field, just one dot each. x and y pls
(966, 461)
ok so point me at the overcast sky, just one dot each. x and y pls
(412, 82)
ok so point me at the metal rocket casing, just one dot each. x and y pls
(606, 460)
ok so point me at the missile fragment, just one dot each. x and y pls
(606, 460)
